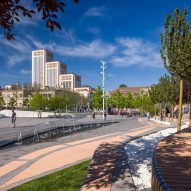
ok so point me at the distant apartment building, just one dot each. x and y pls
(70, 81)
(49, 73)
(18, 95)
(39, 59)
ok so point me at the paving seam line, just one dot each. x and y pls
(43, 174)
(28, 164)
(131, 138)
(7, 177)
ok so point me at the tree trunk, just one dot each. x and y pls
(155, 112)
(172, 113)
(189, 115)
(180, 106)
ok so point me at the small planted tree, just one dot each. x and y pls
(175, 49)
(38, 102)
(97, 100)
(117, 99)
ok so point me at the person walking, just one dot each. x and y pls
(105, 115)
(13, 118)
(93, 115)
(148, 116)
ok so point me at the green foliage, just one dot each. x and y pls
(69, 179)
(144, 103)
(12, 102)
(97, 100)
(117, 100)
(62, 100)
(38, 101)
(72, 98)
(166, 91)
(129, 101)
(57, 102)
(175, 42)
(1, 101)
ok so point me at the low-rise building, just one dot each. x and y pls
(18, 95)
(86, 91)
(135, 91)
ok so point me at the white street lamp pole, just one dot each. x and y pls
(103, 66)
(6, 98)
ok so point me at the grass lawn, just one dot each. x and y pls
(69, 179)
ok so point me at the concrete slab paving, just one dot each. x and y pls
(41, 159)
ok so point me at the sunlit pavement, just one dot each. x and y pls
(30, 162)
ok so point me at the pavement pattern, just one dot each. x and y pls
(24, 163)
(27, 125)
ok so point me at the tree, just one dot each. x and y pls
(97, 99)
(144, 103)
(57, 102)
(117, 99)
(12, 102)
(72, 98)
(165, 93)
(122, 86)
(129, 101)
(1, 102)
(11, 11)
(175, 49)
(38, 102)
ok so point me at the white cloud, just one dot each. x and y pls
(20, 50)
(93, 49)
(94, 30)
(96, 49)
(25, 72)
(123, 53)
(16, 59)
(134, 51)
(95, 12)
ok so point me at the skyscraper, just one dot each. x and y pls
(52, 71)
(49, 73)
(39, 59)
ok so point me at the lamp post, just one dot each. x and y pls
(17, 84)
(66, 104)
(6, 98)
(103, 67)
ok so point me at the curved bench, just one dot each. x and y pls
(171, 167)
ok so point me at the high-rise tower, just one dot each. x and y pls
(39, 59)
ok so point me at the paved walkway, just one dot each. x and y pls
(27, 126)
(33, 161)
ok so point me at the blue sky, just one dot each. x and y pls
(124, 33)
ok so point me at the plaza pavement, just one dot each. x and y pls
(32, 161)
(27, 125)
